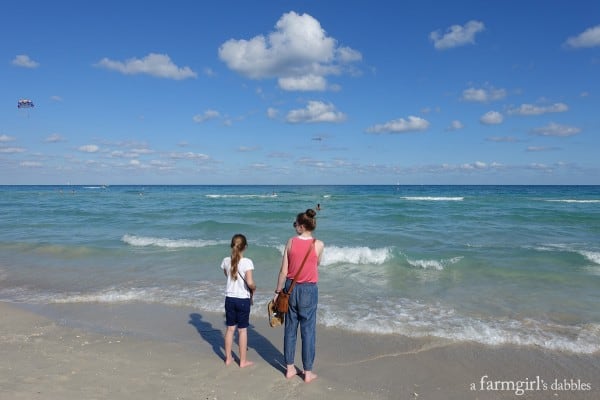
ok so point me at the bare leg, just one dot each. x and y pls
(229, 344)
(243, 340)
(309, 376)
(291, 371)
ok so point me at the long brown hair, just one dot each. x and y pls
(238, 245)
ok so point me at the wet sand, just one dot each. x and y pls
(140, 351)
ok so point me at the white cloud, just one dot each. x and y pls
(553, 129)
(491, 118)
(540, 148)
(12, 150)
(54, 138)
(247, 149)
(299, 53)
(315, 111)
(6, 138)
(530, 109)
(188, 156)
(303, 83)
(23, 60)
(272, 113)
(503, 139)
(455, 126)
(483, 95)
(589, 38)
(457, 35)
(207, 115)
(159, 65)
(31, 164)
(89, 148)
(400, 125)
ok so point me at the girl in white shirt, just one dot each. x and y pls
(238, 295)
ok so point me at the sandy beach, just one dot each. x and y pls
(48, 357)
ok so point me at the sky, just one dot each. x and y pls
(300, 92)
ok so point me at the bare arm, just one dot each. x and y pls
(284, 268)
(250, 280)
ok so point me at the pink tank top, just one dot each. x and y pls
(310, 272)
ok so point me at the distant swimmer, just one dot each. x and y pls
(318, 206)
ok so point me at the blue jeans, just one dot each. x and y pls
(302, 311)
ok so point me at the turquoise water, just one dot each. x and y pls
(490, 264)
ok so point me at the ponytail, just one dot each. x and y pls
(238, 245)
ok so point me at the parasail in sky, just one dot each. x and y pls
(25, 103)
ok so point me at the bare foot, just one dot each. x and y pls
(309, 376)
(228, 361)
(246, 364)
(291, 372)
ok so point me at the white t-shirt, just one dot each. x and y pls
(238, 287)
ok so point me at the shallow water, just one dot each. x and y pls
(491, 264)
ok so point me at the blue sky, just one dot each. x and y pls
(300, 92)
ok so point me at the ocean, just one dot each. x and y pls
(495, 265)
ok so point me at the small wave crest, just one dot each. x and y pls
(241, 196)
(432, 198)
(437, 265)
(593, 256)
(143, 241)
(573, 201)
(415, 319)
(355, 255)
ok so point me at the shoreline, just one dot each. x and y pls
(141, 351)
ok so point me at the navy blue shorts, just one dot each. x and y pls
(237, 312)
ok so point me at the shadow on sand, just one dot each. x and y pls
(213, 336)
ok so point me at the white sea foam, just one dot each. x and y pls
(573, 201)
(142, 241)
(241, 196)
(355, 255)
(593, 256)
(414, 319)
(432, 198)
(379, 315)
(438, 265)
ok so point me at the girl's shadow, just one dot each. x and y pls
(258, 342)
(213, 336)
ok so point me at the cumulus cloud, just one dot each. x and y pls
(303, 83)
(455, 126)
(89, 148)
(589, 38)
(158, 65)
(457, 35)
(400, 125)
(491, 118)
(207, 115)
(553, 129)
(299, 53)
(272, 113)
(6, 138)
(316, 111)
(530, 109)
(189, 156)
(483, 95)
(23, 60)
